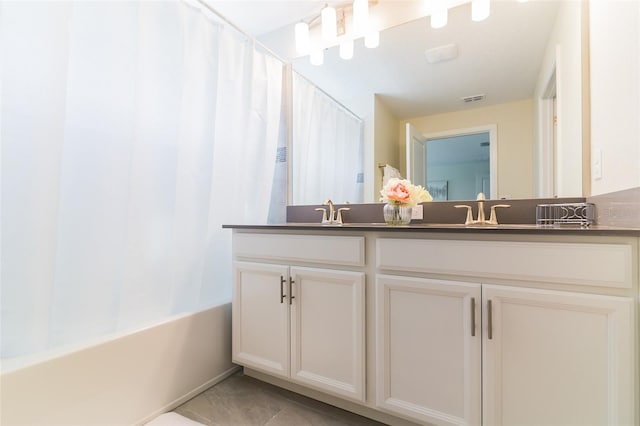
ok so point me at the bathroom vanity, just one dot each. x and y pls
(443, 325)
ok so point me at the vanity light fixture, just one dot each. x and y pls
(329, 23)
(360, 16)
(439, 14)
(302, 38)
(480, 10)
(317, 57)
(372, 39)
(346, 49)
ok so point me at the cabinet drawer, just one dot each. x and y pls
(334, 250)
(603, 265)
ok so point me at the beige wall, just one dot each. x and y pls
(514, 121)
(385, 144)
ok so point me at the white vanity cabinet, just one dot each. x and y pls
(428, 338)
(527, 355)
(557, 358)
(305, 324)
(491, 329)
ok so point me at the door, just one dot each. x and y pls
(261, 317)
(328, 331)
(556, 358)
(428, 339)
(416, 147)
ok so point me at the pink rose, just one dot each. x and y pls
(398, 192)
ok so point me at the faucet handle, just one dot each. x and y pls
(481, 196)
(469, 219)
(324, 214)
(340, 210)
(493, 220)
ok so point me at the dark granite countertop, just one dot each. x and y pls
(618, 214)
(452, 228)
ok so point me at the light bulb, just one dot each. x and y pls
(346, 49)
(480, 10)
(316, 57)
(360, 16)
(372, 39)
(439, 18)
(329, 23)
(302, 38)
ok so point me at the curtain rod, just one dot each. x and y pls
(235, 27)
(271, 52)
(329, 96)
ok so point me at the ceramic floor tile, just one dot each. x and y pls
(236, 401)
(193, 416)
(326, 415)
(302, 416)
(345, 417)
(244, 401)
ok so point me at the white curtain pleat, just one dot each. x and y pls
(327, 153)
(34, 75)
(95, 171)
(131, 131)
(151, 222)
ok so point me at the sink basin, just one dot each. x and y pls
(482, 226)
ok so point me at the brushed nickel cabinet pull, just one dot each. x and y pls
(489, 320)
(473, 317)
(282, 280)
(291, 296)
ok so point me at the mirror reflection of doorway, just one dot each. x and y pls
(455, 164)
(458, 167)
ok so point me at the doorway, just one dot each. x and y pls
(456, 164)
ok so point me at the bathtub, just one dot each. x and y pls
(121, 380)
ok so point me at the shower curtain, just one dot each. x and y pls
(327, 154)
(130, 132)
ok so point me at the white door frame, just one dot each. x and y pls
(549, 136)
(416, 168)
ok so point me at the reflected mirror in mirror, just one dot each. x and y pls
(510, 58)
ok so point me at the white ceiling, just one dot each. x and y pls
(499, 57)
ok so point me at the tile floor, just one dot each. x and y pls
(244, 401)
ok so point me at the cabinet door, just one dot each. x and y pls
(428, 349)
(556, 358)
(261, 317)
(327, 331)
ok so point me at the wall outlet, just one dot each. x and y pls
(416, 212)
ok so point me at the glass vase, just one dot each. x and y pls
(396, 214)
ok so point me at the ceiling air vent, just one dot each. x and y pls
(441, 53)
(474, 98)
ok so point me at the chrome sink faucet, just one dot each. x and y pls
(481, 220)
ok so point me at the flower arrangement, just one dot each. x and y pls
(403, 192)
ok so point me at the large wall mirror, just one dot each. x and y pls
(525, 64)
